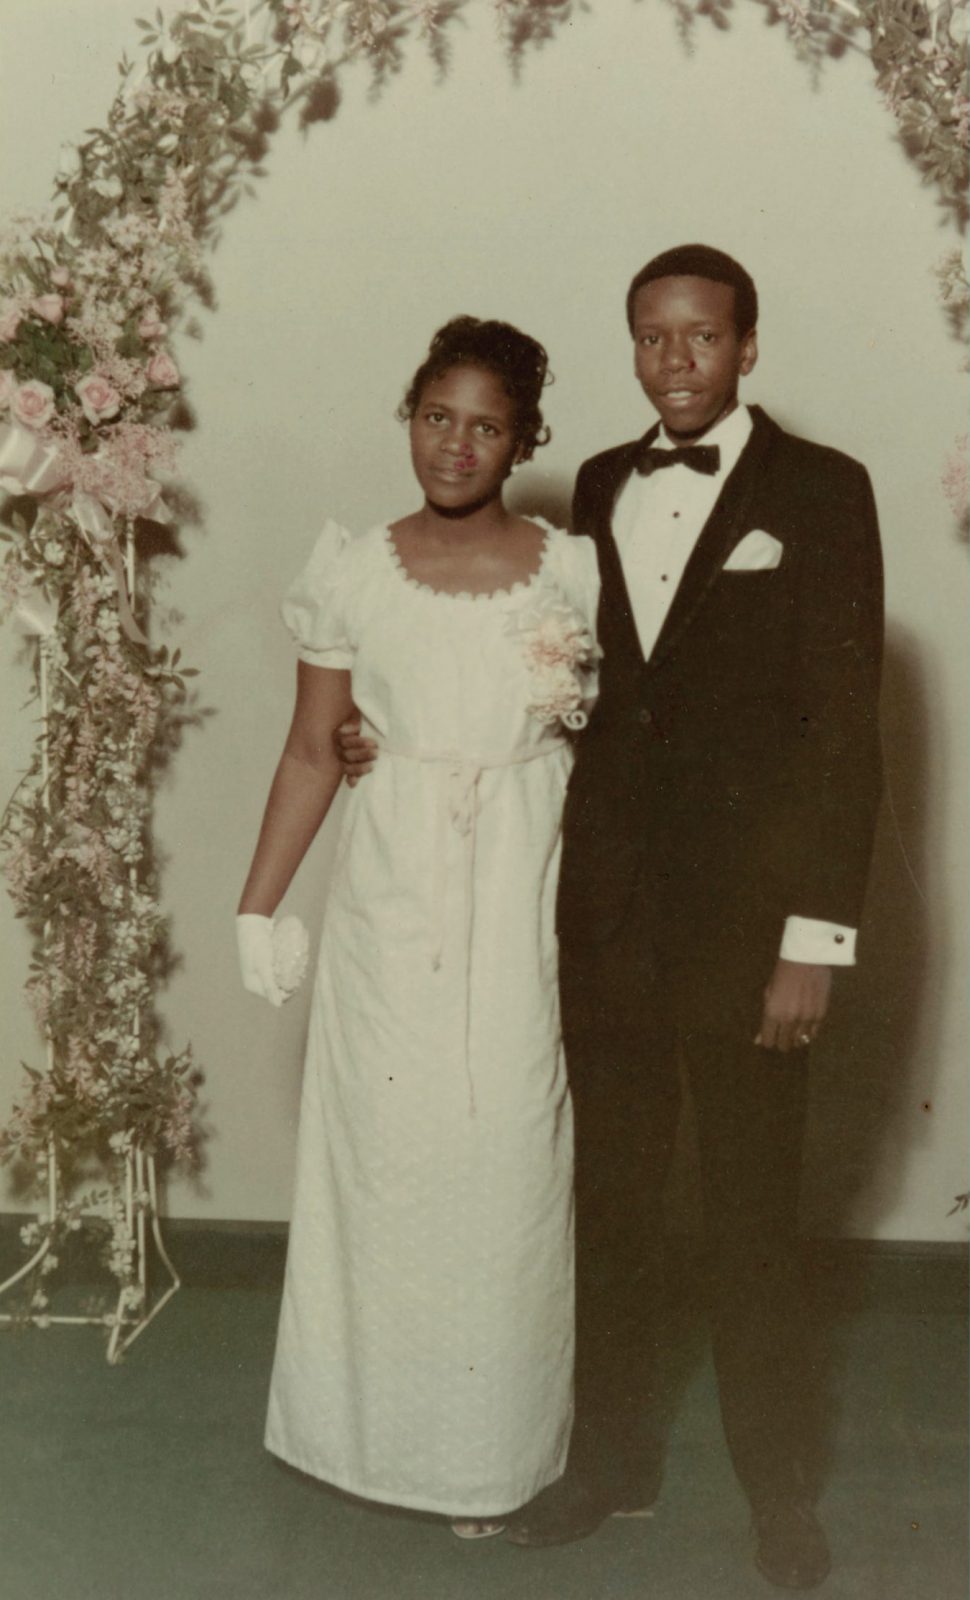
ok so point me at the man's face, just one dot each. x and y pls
(688, 356)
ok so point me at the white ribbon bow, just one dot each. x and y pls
(27, 465)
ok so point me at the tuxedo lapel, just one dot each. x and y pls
(615, 592)
(718, 536)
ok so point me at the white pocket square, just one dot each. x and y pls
(757, 552)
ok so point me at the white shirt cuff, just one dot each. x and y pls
(825, 944)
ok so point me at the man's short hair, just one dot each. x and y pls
(701, 261)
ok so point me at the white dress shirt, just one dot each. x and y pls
(657, 521)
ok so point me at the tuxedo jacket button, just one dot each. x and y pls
(645, 717)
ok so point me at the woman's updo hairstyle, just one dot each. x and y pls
(520, 364)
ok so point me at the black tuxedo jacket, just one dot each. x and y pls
(732, 779)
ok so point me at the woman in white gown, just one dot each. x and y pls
(424, 1355)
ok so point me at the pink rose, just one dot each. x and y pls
(8, 386)
(9, 323)
(99, 399)
(61, 278)
(162, 373)
(48, 306)
(151, 326)
(33, 404)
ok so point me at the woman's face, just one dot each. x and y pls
(463, 442)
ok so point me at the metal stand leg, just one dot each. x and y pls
(44, 1247)
(134, 1218)
(141, 1214)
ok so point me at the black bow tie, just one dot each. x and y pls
(700, 457)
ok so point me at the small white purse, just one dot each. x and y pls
(291, 951)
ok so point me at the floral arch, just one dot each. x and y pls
(90, 402)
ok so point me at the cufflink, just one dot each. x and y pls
(840, 938)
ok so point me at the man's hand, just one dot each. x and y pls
(355, 753)
(796, 1001)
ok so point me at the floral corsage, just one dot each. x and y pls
(560, 653)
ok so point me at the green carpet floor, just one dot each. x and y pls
(149, 1481)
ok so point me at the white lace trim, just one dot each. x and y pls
(467, 596)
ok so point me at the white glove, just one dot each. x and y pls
(254, 937)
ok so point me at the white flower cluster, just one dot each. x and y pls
(560, 654)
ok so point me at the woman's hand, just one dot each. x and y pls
(254, 938)
(355, 753)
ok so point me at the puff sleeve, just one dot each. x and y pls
(314, 608)
(582, 566)
(573, 566)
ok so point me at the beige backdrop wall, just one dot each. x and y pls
(536, 201)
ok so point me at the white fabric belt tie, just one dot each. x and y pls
(458, 806)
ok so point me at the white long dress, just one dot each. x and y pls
(424, 1354)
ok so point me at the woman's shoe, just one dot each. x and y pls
(476, 1528)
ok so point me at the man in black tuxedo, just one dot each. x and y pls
(717, 836)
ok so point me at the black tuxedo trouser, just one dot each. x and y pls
(624, 1050)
